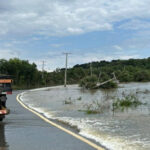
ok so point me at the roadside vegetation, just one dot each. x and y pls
(71, 101)
(114, 104)
(79, 98)
(68, 101)
(26, 75)
(109, 85)
(88, 82)
(93, 108)
(125, 102)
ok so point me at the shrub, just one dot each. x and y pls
(142, 76)
(68, 101)
(94, 107)
(88, 82)
(79, 98)
(126, 102)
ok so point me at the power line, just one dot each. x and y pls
(65, 78)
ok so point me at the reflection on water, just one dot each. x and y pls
(3, 143)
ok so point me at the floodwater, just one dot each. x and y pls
(121, 130)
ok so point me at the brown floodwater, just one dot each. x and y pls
(121, 130)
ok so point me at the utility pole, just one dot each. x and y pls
(65, 79)
(91, 69)
(43, 65)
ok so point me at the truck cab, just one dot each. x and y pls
(5, 89)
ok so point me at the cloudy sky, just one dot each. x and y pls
(91, 30)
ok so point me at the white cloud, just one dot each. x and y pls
(63, 17)
(7, 53)
(33, 18)
(117, 47)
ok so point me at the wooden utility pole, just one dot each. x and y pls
(91, 69)
(65, 78)
(43, 65)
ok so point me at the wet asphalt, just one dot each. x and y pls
(22, 130)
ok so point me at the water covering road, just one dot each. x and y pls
(22, 130)
(128, 130)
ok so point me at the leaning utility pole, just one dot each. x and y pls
(65, 79)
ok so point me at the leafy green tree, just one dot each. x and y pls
(142, 75)
(125, 76)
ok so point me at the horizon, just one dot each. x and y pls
(41, 30)
(82, 63)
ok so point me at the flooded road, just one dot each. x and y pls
(125, 130)
(23, 130)
(3, 143)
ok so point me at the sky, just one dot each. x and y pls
(91, 30)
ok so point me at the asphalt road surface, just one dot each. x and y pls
(23, 130)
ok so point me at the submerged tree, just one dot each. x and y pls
(88, 82)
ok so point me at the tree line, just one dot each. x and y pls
(26, 75)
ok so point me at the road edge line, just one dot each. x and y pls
(59, 127)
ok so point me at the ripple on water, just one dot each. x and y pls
(127, 130)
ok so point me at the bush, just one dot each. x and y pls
(125, 76)
(68, 101)
(88, 82)
(94, 107)
(126, 102)
(142, 76)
